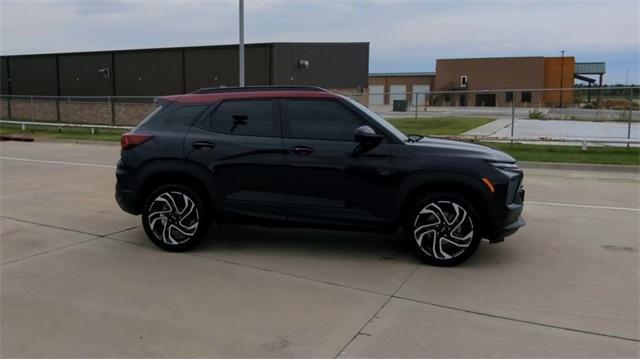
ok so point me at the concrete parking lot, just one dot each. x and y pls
(79, 278)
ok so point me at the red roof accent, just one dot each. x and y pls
(220, 96)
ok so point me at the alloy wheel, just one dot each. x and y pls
(173, 217)
(443, 229)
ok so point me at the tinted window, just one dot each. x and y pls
(509, 96)
(172, 115)
(526, 96)
(323, 120)
(244, 118)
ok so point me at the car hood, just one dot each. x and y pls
(471, 150)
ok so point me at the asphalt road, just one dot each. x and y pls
(79, 278)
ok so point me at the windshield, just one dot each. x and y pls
(379, 119)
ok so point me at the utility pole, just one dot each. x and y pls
(561, 77)
(241, 50)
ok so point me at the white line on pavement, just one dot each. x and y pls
(56, 162)
(583, 206)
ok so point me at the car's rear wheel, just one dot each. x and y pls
(444, 229)
(174, 218)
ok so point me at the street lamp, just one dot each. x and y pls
(561, 76)
(241, 50)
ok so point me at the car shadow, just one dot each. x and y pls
(256, 240)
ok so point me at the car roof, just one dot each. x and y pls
(203, 98)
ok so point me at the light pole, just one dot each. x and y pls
(561, 76)
(241, 50)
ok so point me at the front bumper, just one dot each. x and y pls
(512, 220)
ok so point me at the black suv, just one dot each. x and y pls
(308, 157)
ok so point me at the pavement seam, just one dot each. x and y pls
(49, 225)
(51, 250)
(93, 235)
(360, 331)
(495, 316)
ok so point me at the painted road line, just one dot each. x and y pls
(583, 206)
(57, 162)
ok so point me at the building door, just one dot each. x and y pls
(485, 99)
(398, 92)
(376, 95)
(420, 92)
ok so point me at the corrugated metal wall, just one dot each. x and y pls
(80, 76)
(148, 73)
(4, 76)
(156, 72)
(331, 65)
(33, 75)
(219, 66)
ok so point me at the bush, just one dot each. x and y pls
(536, 114)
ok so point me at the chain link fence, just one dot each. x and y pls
(608, 113)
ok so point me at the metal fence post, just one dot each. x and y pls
(416, 104)
(630, 116)
(111, 110)
(9, 107)
(513, 117)
(33, 113)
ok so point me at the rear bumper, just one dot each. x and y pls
(126, 200)
(125, 195)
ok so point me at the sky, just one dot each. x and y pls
(404, 35)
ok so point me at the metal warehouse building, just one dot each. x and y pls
(162, 71)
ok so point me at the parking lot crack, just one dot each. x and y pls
(523, 321)
(375, 315)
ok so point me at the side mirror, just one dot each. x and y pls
(366, 136)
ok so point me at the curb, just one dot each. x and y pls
(580, 167)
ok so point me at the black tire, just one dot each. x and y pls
(443, 229)
(175, 218)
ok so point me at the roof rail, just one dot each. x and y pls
(258, 88)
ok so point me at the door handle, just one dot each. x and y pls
(301, 150)
(203, 145)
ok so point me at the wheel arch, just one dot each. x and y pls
(154, 175)
(470, 187)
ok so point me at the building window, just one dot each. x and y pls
(509, 97)
(447, 98)
(525, 97)
(463, 100)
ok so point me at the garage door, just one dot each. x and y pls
(398, 92)
(421, 91)
(376, 95)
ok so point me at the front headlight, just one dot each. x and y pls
(506, 166)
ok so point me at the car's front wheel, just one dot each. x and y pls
(444, 229)
(174, 218)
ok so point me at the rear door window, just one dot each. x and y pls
(246, 118)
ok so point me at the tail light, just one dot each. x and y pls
(131, 140)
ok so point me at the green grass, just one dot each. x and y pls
(571, 154)
(439, 125)
(522, 152)
(65, 133)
